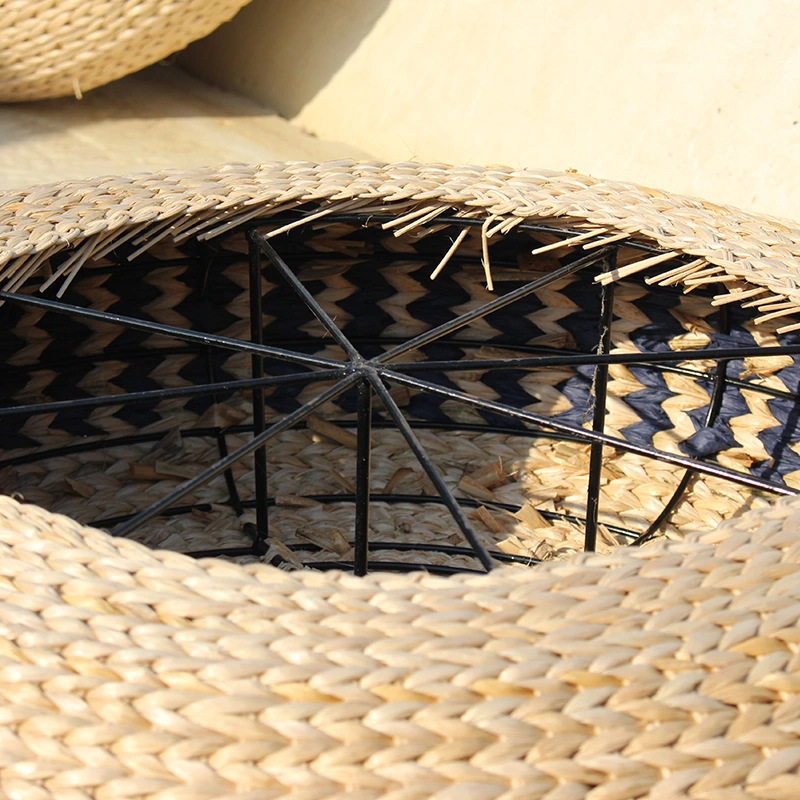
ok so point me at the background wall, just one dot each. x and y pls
(695, 97)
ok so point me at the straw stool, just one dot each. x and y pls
(396, 370)
(56, 49)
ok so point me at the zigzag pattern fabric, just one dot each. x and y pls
(382, 295)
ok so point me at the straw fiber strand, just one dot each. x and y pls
(66, 47)
(664, 671)
(92, 215)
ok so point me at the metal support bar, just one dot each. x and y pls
(483, 311)
(230, 481)
(310, 302)
(363, 448)
(714, 406)
(181, 334)
(592, 436)
(220, 466)
(600, 387)
(415, 499)
(430, 469)
(257, 369)
(167, 394)
(582, 359)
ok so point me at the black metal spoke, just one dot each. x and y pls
(714, 406)
(183, 334)
(713, 470)
(245, 450)
(593, 359)
(233, 490)
(495, 305)
(155, 395)
(400, 547)
(144, 438)
(464, 222)
(400, 566)
(600, 387)
(430, 469)
(391, 499)
(259, 414)
(364, 445)
(303, 293)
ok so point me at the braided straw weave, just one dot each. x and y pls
(665, 671)
(55, 48)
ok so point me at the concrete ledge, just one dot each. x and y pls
(160, 118)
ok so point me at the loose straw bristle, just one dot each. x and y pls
(234, 222)
(153, 230)
(487, 267)
(719, 277)
(617, 237)
(147, 242)
(504, 226)
(631, 269)
(450, 252)
(21, 276)
(124, 237)
(732, 297)
(192, 227)
(788, 310)
(567, 242)
(711, 275)
(309, 218)
(71, 277)
(432, 214)
(677, 274)
(769, 303)
(67, 265)
(26, 268)
(411, 215)
(73, 264)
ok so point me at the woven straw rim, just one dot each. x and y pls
(56, 49)
(757, 257)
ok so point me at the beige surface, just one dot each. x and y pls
(697, 98)
(157, 119)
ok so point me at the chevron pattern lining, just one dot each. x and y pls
(524, 488)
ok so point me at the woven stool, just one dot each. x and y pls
(394, 367)
(56, 49)
(257, 362)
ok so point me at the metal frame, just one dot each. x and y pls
(374, 376)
